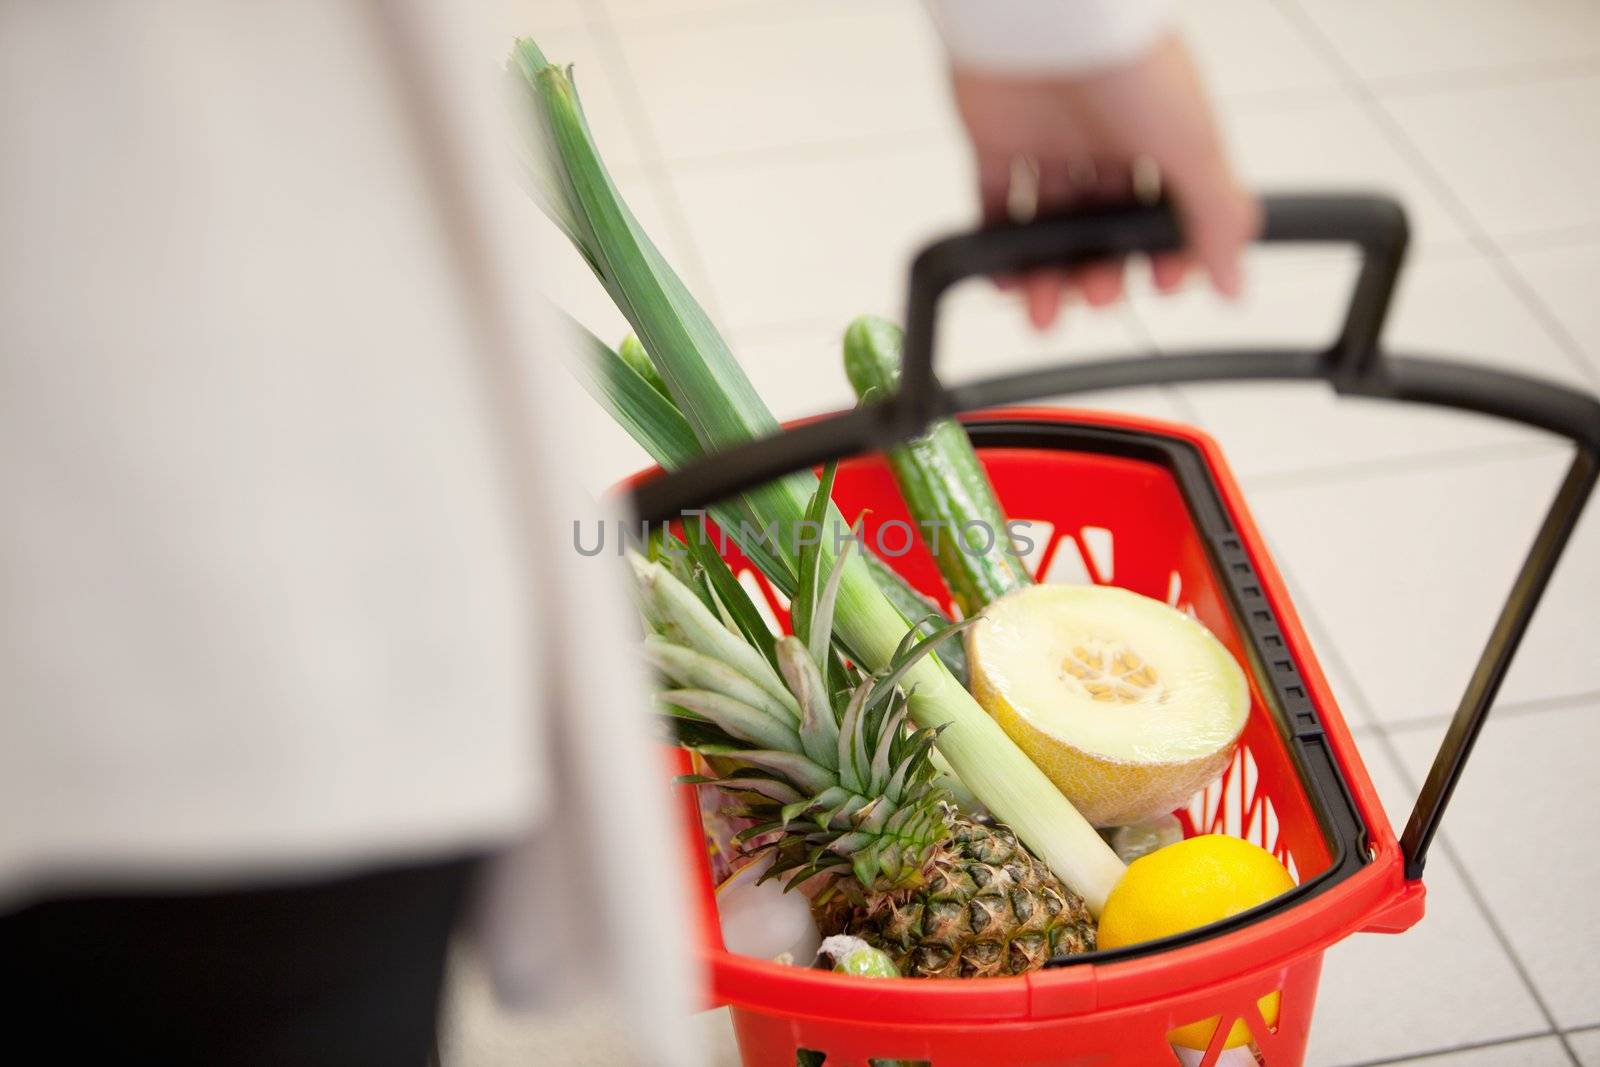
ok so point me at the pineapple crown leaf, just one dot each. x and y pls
(811, 609)
(671, 603)
(851, 740)
(685, 667)
(666, 549)
(733, 596)
(910, 652)
(802, 608)
(834, 784)
(820, 642)
(888, 740)
(819, 731)
(734, 717)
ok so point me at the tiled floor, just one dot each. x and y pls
(788, 157)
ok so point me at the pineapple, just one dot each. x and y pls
(840, 791)
(983, 906)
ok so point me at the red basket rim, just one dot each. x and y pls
(1375, 898)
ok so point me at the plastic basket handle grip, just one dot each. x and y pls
(1354, 364)
(1376, 225)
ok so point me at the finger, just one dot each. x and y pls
(1167, 271)
(1100, 283)
(1057, 190)
(1043, 292)
(994, 191)
(1218, 218)
(1100, 183)
(994, 185)
(1113, 182)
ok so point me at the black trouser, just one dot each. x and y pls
(345, 971)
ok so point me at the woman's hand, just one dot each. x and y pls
(1089, 136)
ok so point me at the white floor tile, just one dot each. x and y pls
(1523, 820)
(1520, 156)
(1536, 1052)
(1564, 279)
(809, 77)
(1406, 571)
(1586, 1044)
(798, 369)
(1250, 47)
(475, 1031)
(1383, 39)
(1334, 145)
(632, 14)
(536, 18)
(1445, 982)
(985, 332)
(1451, 307)
(716, 1032)
(822, 239)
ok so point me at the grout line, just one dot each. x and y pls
(1453, 202)
(866, 145)
(910, 138)
(1378, 469)
(1516, 709)
(1441, 842)
(1569, 345)
(1521, 72)
(652, 161)
(1369, 102)
(727, 13)
(1497, 1042)
(1553, 238)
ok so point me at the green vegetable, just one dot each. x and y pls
(945, 488)
(627, 385)
(852, 955)
(721, 407)
(634, 355)
(913, 605)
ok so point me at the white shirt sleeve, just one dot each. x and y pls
(1048, 36)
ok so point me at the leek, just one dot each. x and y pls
(722, 408)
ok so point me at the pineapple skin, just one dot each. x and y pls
(985, 907)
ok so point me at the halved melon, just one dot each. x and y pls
(1129, 706)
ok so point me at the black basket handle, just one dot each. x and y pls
(1355, 364)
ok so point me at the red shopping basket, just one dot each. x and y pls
(1149, 506)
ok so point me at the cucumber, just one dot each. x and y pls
(945, 488)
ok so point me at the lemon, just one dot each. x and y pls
(1186, 885)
